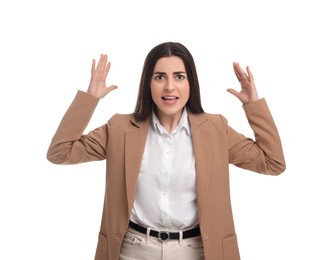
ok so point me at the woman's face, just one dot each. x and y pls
(169, 86)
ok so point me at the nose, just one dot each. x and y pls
(169, 86)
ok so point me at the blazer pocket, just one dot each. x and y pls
(101, 252)
(230, 248)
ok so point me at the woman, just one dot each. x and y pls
(167, 182)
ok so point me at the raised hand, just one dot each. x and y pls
(97, 86)
(248, 92)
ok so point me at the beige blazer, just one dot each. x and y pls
(121, 143)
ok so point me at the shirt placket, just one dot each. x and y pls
(165, 179)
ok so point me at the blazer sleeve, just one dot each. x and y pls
(265, 153)
(69, 145)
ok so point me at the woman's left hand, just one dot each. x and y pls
(248, 92)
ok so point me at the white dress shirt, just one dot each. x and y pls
(166, 189)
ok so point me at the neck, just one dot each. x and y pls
(169, 122)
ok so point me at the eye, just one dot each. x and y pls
(180, 77)
(159, 77)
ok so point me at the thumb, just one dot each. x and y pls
(233, 92)
(108, 90)
(112, 87)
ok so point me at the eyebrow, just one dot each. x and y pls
(174, 73)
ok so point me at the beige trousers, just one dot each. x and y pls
(138, 246)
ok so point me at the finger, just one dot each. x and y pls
(233, 92)
(112, 87)
(102, 62)
(237, 67)
(240, 77)
(243, 77)
(93, 66)
(107, 91)
(249, 72)
(107, 69)
(238, 71)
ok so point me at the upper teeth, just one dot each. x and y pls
(169, 98)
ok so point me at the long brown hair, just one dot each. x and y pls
(145, 103)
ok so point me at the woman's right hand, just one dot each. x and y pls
(97, 86)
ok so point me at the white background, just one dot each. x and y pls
(53, 212)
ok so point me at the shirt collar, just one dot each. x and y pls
(183, 124)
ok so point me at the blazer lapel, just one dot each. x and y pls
(202, 143)
(135, 140)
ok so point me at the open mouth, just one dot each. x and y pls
(168, 98)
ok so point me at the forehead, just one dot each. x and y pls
(171, 63)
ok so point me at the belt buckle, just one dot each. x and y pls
(163, 235)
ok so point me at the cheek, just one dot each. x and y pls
(152, 90)
(186, 92)
(155, 95)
